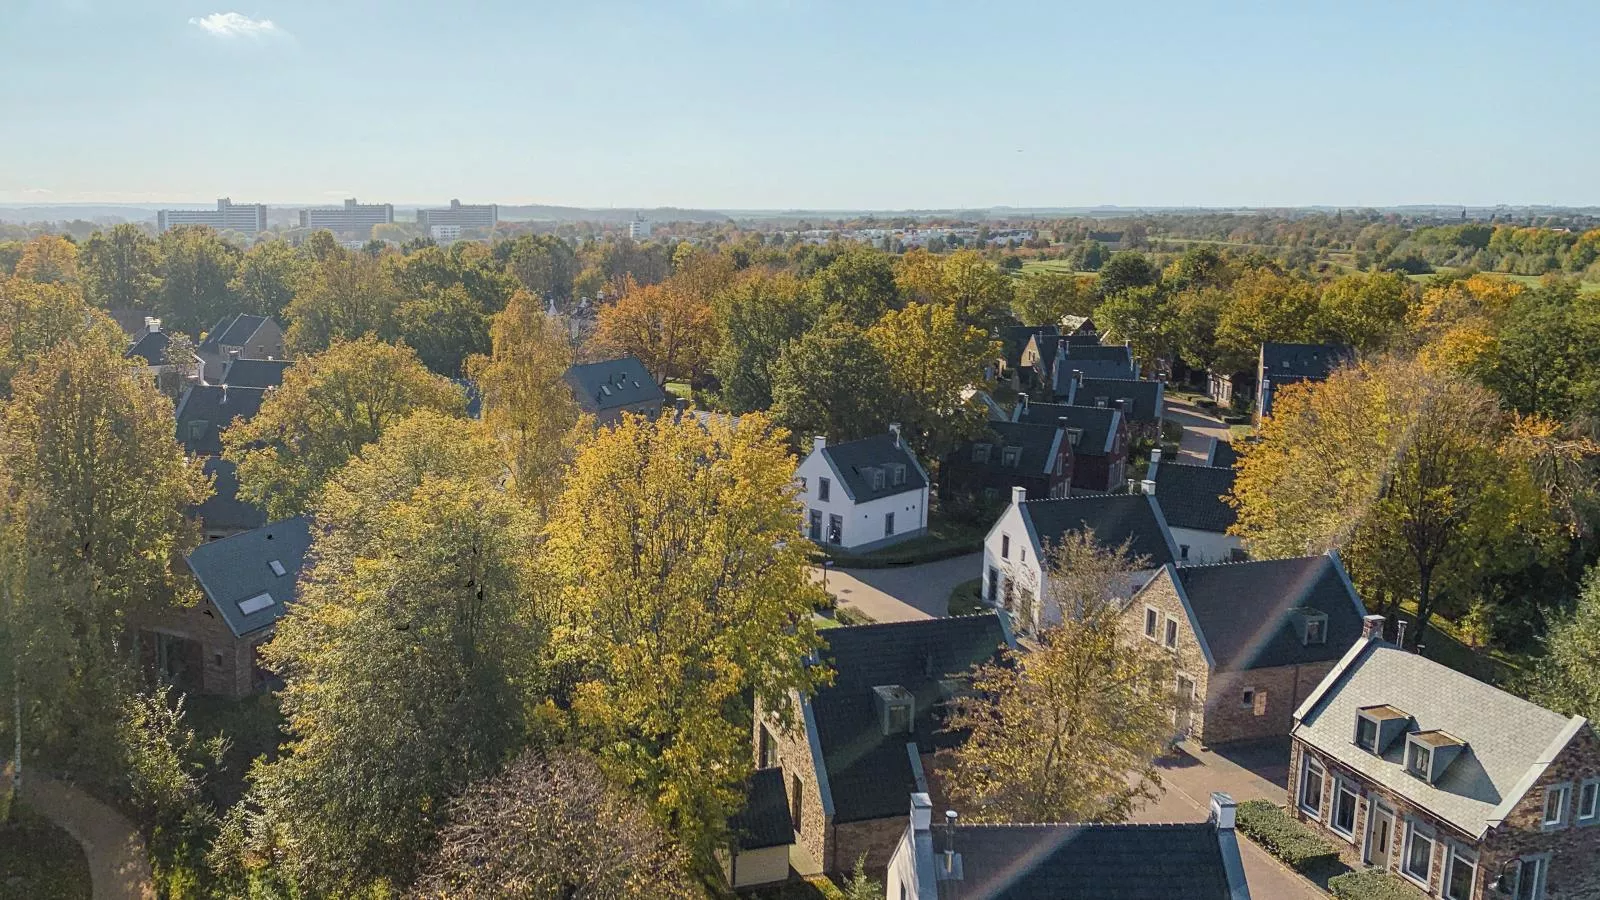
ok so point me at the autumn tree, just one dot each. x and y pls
(1367, 311)
(833, 381)
(977, 291)
(48, 259)
(345, 296)
(669, 330)
(552, 829)
(675, 550)
(1085, 574)
(196, 274)
(1266, 306)
(36, 316)
(268, 277)
(859, 286)
(329, 406)
(120, 268)
(1458, 319)
(1043, 298)
(757, 318)
(933, 360)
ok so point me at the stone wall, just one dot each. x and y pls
(794, 757)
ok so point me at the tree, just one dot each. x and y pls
(120, 268)
(1054, 733)
(268, 277)
(1085, 574)
(979, 293)
(670, 330)
(527, 404)
(544, 264)
(1043, 298)
(1139, 316)
(48, 259)
(1266, 306)
(467, 265)
(346, 296)
(933, 359)
(833, 381)
(1125, 271)
(197, 269)
(1366, 311)
(35, 317)
(444, 326)
(1191, 326)
(1565, 678)
(411, 658)
(552, 829)
(758, 317)
(859, 285)
(328, 408)
(674, 548)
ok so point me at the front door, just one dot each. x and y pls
(1380, 835)
(1184, 717)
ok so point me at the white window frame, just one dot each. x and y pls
(1343, 786)
(1416, 747)
(1589, 785)
(1457, 852)
(1541, 872)
(1306, 763)
(1413, 831)
(1152, 624)
(1564, 814)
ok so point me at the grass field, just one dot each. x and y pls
(1050, 265)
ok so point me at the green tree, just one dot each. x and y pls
(858, 285)
(1191, 326)
(1565, 677)
(1266, 306)
(834, 382)
(268, 277)
(345, 296)
(35, 317)
(544, 264)
(329, 406)
(48, 259)
(197, 268)
(1043, 298)
(1127, 270)
(1141, 317)
(1365, 310)
(933, 360)
(444, 327)
(757, 318)
(120, 268)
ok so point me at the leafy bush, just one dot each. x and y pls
(1369, 884)
(1297, 845)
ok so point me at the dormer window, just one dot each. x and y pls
(1378, 726)
(1074, 435)
(896, 708)
(980, 453)
(1419, 760)
(1366, 734)
(897, 474)
(1312, 624)
(1102, 402)
(1011, 457)
(877, 478)
(1429, 754)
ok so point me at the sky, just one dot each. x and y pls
(779, 104)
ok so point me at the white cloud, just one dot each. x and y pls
(234, 25)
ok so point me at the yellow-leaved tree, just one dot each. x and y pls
(933, 358)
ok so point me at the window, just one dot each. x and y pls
(1366, 734)
(1461, 875)
(1011, 457)
(1419, 760)
(1151, 622)
(1417, 863)
(217, 658)
(897, 474)
(769, 748)
(255, 604)
(1171, 639)
(1345, 799)
(1005, 546)
(822, 488)
(1312, 774)
(1527, 877)
(1183, 551)
(197, 429)
(1589, 802)
(1556, 799)
(888, 524)
(795, 806)
(980, 453)
(835, 529)
(276, 567)
(1102, 402)
(877, 478)
(1247, 698)
(1316, 630)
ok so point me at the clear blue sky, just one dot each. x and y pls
(767, 103)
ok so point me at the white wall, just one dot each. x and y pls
(1205, 547)
(863, 522)
(1021, 564)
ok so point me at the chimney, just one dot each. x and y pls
(233, 355)
(1018, 495)
(921, 812)
(950, 844)
(1400, 632)
(1155, 455)
(817, 443)
(1022, 402)
(152, 324)
(1148, 485)
(1222, 811)
(1122, 405)
(1371, 627)
(1133, 486)
(894, 429)
(681, 404)
(1077, 378)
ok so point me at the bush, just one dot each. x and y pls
(1370, 884)
(967, 599)
(1297, 845)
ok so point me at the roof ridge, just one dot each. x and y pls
(1127, 826)
(1173, 462)
(1246, 562)
(1079, 497)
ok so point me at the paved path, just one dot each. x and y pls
(903, 593)
(118, 863)
(1199, 427)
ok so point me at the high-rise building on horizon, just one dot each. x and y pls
(639, 229)
(245, 218)
(351, 218)
(468, 215)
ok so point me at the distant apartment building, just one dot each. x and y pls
(351, 218)
(459, 215)
(444, 234)
(639, 229)
(245, 218)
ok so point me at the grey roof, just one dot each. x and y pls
(1192, 496)
(1144, 397)
(150, 346)
(1509, 741)
(1086, 368)
(257, 373)
(206, 409)
(1098, 425)
(1114, 518)
(1079, 325)
(1113, 353)
(1243, 610)
(869, 773)
(1223, 454)
(237, 569)
(852, 459)
(223, 510)
(612, 384)
(1039, 445)
(233, 331)
(1096, 862)
(1301, 361)
(1014, 339)
(764, 821)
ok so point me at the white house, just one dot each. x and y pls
(1014, 572)
(865, 494)
(1191, 499)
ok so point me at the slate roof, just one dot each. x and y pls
(233, 331)
(1192, 496)
(254, 373)
(1098, 425)
(1114, 518)
(1243, 610)
(1114, 353)
(764, 821)
(869, 773)
(1145, 397)
(237, 569)
(852, 459)
(1509, 741)
(1301, 361)
(1087, 368)
(223, 510)
(1014, 339)
(150, 346)
(1039, 444)
(206, 409)
(612, 384)
(1223, 454)
(1102, 862)
(1079, 325)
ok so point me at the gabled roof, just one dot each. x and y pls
(1509, 741)
(1145, 398)
(1114, 862)
(612, 384)
(1114, 353)
(1114, 518)
(234, 331)
(150, 346)
(1086, 368)
(852, 460)
(1223, 454)
(206, 409)
(1099, 426)
(238, 576)
(254, 373)
(1192, 496)
(870, 774)
(1078, 325)
(1039, 444)
(223, 510)
(1014, 339)
(764, 821)
(1301, 361)
(1248, 613)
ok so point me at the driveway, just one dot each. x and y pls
(1199, 427)
(118, 865)
(903, 593)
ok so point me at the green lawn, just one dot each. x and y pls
(967, 598)
(1443, 645)
(818, 888)
(39, 861)
(1586, 287)
(1051, 265)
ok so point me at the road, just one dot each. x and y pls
(904, 593)
(1199, 427)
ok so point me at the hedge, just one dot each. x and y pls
(1370, 884)
(888, 559)
(1279, 834)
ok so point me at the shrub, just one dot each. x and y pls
(1369, 884)
(1297, 845)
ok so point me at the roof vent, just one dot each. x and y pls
(255, 604)
(896, 708)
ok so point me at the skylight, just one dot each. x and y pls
(255, 604)
(276, 567)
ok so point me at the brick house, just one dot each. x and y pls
(1450, 784)
(863, 744)
(1098, 437)
(982, 471)
(1193, 498)
(1015, 341)
(203, 412)
(1280, 364)
(1251, 639)
(1142, 403)
(246, 582)
(610, 388)
(239, 336)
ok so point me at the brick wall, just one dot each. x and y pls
(1191, 661)
(877, 838)
(227, 663)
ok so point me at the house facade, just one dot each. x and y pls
(239, 337)
(1098, 437)
(608, 390)
(1193, 499)
(863, 495)
(982, 472)
(1450, 784)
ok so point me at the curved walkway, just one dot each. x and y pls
(118, 863)
(902, 593)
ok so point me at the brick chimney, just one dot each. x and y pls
(1371, 627)
(1022, 402)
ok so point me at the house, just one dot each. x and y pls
(1142, 403)
(1282, 364)
(223, 513)
(1226, 388)
(1193, 498)
(1039, 353)
(203, 412)
(1463, 790)
(253, 373)
(1014, 341)
(1251, 639)
(1080, 330)
(863, 494)
(982, 471)
(861, 745)
(608, 389)
(253, 337)
(762, 833)
(1015, 572)
(246, 581)
(149, 346)
(1192, 861)
(1089, 361)
(1098, 437)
